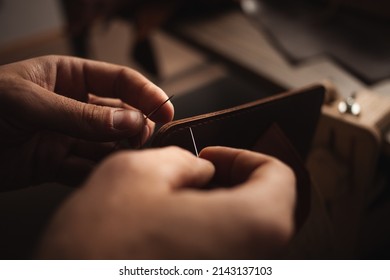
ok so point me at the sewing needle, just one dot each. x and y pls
(193, 141)
(158, 107)
(151, 114)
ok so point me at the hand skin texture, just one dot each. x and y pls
(59, 116)
(150, 205)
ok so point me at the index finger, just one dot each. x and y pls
(77, 77)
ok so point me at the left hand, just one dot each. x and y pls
(53, 129)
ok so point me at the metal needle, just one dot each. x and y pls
(151, 114)
(193, 141)
(158, 108)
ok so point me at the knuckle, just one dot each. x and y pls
(174, 150)
(283, 230)
(282, 169)
(176, 153)
(276, 230)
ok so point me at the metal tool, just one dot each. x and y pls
(193, 142)
(349, 106)
(158, 108)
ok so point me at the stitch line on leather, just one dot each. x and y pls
(240, 110)
(212, 119)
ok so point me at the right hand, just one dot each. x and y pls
(150, 205)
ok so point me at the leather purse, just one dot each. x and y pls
(282, 126)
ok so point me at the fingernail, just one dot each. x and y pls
(127, 119)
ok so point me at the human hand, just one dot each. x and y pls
(60, 115)
(150, 205)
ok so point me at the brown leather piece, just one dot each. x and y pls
(282, 126)
(274, 143)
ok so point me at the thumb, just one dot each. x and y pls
(83, 120)
(102, 122)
